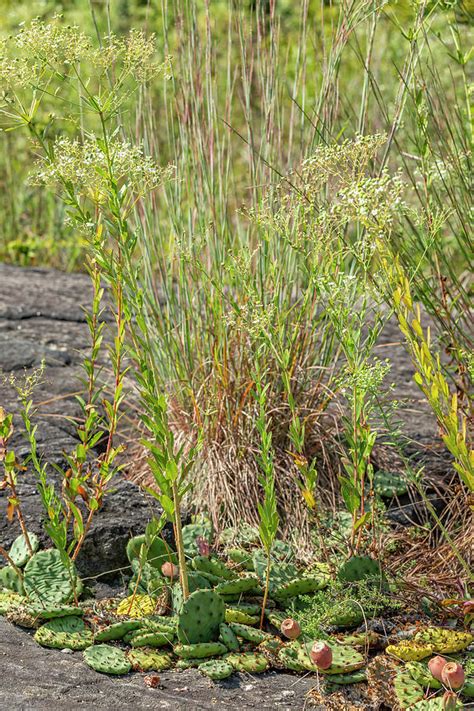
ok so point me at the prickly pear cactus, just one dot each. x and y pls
(239, 586)
(65, 633)
(149, 660)
(241, 557)
(359, 567)
(146, 580)
(193, 533)
(389, 484)
(9, 601)
(251, 662)
(228, 637)
(216, 669)
(295, 658)
(344, 660)
(200, 618)
(19, 551)
(151, 639)
(203, 649)
(249, 633)
(280, 573)
(48, 580)
(407, 691)
(300, 586)
(345, 614)
(420, 673)
(355, 677)
(359, 639)
(106, 659)
(158, 553)
(50, 612)
(444, 641)
(213, 566)
(11, 580)
(409, 650)
(117, 630)
(137, 606)
(234, 615)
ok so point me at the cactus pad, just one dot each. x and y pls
(50, 612)
(11, 580)
(10, 601)
(117, 630)
(200, 618)
(300, 586)
(48, 580)
(192, 532)
(444, 641)
(65, 633)
(212, 566)
(345, 614)
(420, 673)
(137, 606)
(359, 567)
(216, 669)
(106, 659)
(151, 639)
(239, 586)
(407, 690)
(203, 649)
(19, 551)
(389, 484)
(157, 554)
(355, 677)
(250, 662)
(228, 637)
(409, 650)
(234, 615)
(249, 633)
(149, 660)
(241, 557)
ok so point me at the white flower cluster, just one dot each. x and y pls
(90, 168)
(53, 42)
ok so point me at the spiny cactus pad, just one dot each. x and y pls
(158, 553)
(247, 583)
(149, 660)
(249, 633)
(19, 551)
(137, 606)
(9, 601)
(117, 630)
(192, 532)
(151, 639)
(420, 673)
(407, 690)
(59, 634)
(345, 614)
(250, 662)
(203, 649)
(50, 612)
(11, 580)
(241, 557)
(389, 484)
(359, 567)
(106, 659)
(213, 566)
(228, 637)
(409, 650)
(200, 618)
(444, 641)
(216, 669)
(355, 677)
(280, 573)
(233, 615)
(300, 586)
(48, 580)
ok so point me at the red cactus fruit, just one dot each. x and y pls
(321, 655)
(450, 701)
(170, 570)
(436, 666)
(290, 628)
(452, 675)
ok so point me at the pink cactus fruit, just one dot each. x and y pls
(290, 628)
(452, 675)
(170, 570)
(321, 655)
(436, 666)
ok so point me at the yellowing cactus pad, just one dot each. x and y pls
(410, 651)
(137, 606)
(443, 640)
